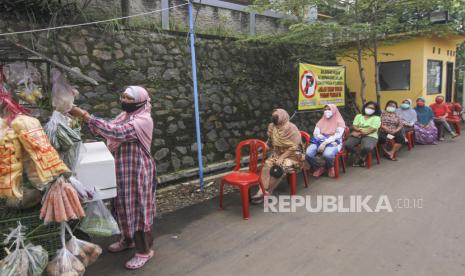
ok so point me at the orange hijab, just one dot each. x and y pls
(285, 134)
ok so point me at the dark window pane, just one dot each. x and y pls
(394, 75)
(434, 77)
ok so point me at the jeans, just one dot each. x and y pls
(328, 154)
(443, 124)
(367, 144)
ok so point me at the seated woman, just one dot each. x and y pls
(407, 114)
(286, 148)
(327, 139)
(391, 128)
(364, 133)
(426, 132)
(441, 111)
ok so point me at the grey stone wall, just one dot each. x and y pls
(210, 20)
(239, 85)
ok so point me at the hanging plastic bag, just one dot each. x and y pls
(63, 93)
(25, 260)
(61, 203)
(98, 220)
(65, 263)
(86, 252)
(29, 91)
(44, 156)
(85, 193)
(11, 166)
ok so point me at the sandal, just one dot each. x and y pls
(139, 260)
(120, 246)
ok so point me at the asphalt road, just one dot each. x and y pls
(202, 240)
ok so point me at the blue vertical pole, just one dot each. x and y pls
(196, 96)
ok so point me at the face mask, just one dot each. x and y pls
(328, 114)
(391, 109)
(420, 104)
(405, 106)
(369, 111)
(439, 101)
(131, 107)
(275, 120)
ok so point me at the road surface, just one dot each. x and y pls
(201, 240)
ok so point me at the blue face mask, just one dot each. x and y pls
(405, 106)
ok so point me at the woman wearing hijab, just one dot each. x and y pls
(327, 140)
(426, 132)
(129, 137)
(407, 114)
(364, 133)
(286, 147)
(391, 128)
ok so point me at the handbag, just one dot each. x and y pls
(276, 171)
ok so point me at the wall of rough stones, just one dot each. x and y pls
(209, 19)
(239, 85)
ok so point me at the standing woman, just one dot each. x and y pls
(426, 132)
(364, 133)
(286, 147)
(327, 140)
(129, 137)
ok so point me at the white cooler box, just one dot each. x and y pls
(97, 168)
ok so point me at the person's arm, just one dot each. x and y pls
(356, 123)
(338, 135)
(122, 132)
(317, 133)
(119, 132)
(375, 124)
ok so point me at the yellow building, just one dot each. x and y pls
(408, 68)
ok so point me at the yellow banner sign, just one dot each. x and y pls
(320, 85)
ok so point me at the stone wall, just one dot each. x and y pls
(210, 19)
(239, 85)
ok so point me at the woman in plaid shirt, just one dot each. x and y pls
(129, 138)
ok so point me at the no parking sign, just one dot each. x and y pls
(320, 85)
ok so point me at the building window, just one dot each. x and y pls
(434, 77)
(439, 51)
(394, 75)
(434, 49)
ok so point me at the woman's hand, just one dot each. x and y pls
(80, 113)
(322, 147)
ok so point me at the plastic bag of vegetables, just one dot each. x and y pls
(25, 260)
(65, 263)
(98, 220)
(63, 93)
(64, 139)
(86, 252)
(28, 90)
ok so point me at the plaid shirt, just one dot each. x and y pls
(135, 176)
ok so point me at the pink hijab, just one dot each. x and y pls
(329, 126)
(141, 119)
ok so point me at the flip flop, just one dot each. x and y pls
(139, 260)
(119, 246)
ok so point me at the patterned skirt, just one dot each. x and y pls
(426, 135)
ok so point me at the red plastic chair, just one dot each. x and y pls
(290, 179)
(245, 180)
(411, 139)
(342, 154)
(369, 158)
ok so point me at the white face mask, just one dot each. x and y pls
(369, 111)
(391, 109)
(328, 114)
